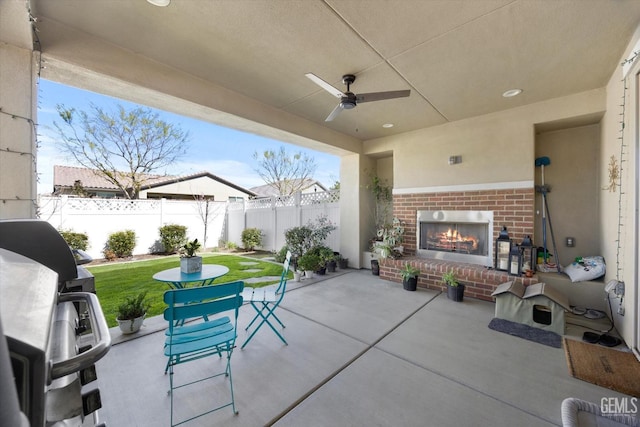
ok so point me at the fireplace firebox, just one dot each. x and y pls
(462, 236)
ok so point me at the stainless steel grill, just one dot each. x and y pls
(54, 327)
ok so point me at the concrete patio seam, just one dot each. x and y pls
(467, 386)
(358, 355)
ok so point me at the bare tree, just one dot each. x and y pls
(208, 210)
(287, 173)
(124, 147)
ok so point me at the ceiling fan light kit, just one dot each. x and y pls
(160, 3)
(511, 93)
(348, 99)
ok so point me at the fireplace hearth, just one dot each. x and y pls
(460, 236)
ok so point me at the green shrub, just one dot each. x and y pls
(120, 244)
(299, 240)
(323, 252)
(173, 236)
(75, 240)
(281, 255)
(251, 238)
(232, 246)
(302, 239)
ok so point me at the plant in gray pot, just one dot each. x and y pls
(455, 289)
(189, 261)
(131, 313)
(409, 277)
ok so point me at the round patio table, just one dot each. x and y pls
(178, 280)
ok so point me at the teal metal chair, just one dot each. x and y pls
(206, 333)
(265, 301)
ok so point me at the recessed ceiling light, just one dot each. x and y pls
(512, 92)
(387, 125)
(161, 3)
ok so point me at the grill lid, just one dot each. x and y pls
(38, 240)
(29, 291)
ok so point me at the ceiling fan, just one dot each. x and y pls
(349, 100)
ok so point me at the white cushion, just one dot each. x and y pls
(591, 267)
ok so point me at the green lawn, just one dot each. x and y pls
(115, 281)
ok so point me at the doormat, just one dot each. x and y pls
(526, 332)
(603, 366)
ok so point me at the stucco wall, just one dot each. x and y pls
(575, 189)
(495, 148)
(197, 186)
(17, 133)
(618, 216)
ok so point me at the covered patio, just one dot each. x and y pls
(362, 351)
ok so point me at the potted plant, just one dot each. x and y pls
(309, 263)
(343, 263)
(131, 313)
(327, 258)
(375, 264)
(189, 261)
(455, 289)
(410, 277)
(389, 239)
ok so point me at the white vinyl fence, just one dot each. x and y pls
(98, 218)
(274, 215)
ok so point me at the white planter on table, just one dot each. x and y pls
(191, 264)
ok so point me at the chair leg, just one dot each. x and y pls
(227, 373)
(258, 310)
(265, 319)
(233, 400)
(265, 307)
(171, 390)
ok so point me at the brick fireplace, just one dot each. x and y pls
(513, 208)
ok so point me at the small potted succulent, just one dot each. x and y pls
(189, 261)
(409, 277)
(131, 313)
(455, 289)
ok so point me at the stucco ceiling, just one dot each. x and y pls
(456, 56)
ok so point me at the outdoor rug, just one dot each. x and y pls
(603, 366)
(527, 332)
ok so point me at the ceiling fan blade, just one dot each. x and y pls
(379, 96)
(324, 85)
(334, 113)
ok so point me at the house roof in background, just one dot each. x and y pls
(271, 190)
(66, 176)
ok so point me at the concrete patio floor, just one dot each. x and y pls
(362, 352)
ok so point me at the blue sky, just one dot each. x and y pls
(221, 151)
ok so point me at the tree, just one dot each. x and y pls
(124, 147)
(287, 173)
(208, 210)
